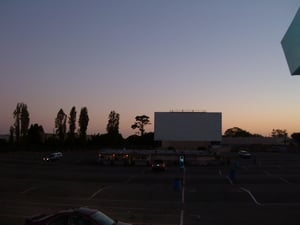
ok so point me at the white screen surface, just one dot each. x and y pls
(188, 126)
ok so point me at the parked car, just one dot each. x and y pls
(244, 154)
(53, 157)
(78, 216)
(158, 165)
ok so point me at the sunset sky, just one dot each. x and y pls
(140, 56)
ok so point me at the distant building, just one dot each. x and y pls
(187, 130)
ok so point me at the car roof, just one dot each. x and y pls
(85, 211)
(82, 210)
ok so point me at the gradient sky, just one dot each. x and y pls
(140, 56)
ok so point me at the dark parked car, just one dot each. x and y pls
(79, 216)
(158, 165)
(53, 157)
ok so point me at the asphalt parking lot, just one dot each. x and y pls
(266, 191)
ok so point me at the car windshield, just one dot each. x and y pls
(102, 219)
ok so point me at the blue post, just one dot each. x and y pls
(177, 184)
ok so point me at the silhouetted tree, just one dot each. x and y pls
(145, 141)
(72, 124)
(83, 123)
(112, 138)
(133, 141)
(36, 134)
(11, 134)
(112, 127)
(95, 139)
(141, 122)
(148, 139)
(60, 124)
(236, 132)
(296, 137)
(21, 116)
(108, 140)
(279, 133)
(25, 120)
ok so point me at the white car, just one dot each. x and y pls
(244, 154)
(82, 216)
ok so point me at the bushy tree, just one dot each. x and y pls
(140, 123)
(236, 132)
(279, 133)
(296, 137)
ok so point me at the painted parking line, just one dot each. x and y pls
(251, 195)
(182, 195)
(220, 173)
(230, 181)
(29, 190)
(129, 179)
(97, 192)
(279, 177)
(284, 180)
(245, 190)
(182, 198)
(181, 217)
(227, 177)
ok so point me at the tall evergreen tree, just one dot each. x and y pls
(72, 123)
(21, 124)
(17, 124)
(24, 121)
(60, 124)
(83, 122)
(112, 127)
(11, 134)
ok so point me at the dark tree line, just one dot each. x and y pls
(61, 124)
(71, 132)
(238, 132)
(296, 138)
(114, 139)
